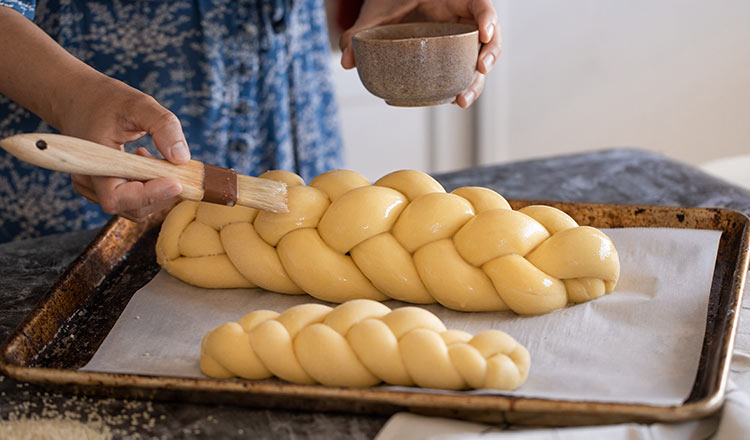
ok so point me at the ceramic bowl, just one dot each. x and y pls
(417, 64)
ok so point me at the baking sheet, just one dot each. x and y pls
(639, 344)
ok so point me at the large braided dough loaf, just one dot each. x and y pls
(361, 343)
(403, 238)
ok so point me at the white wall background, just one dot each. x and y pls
(666, 75)
(379, 138)
(671, 76)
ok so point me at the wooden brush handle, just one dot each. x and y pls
(78, 156)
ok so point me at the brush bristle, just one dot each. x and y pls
(265, 194)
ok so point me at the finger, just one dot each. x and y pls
(129, 136)
(347, 57)
(490, 53)
(164, 128)
(142, 151)
(142, 214)
(468, 96)
(117, 195)
(490, 34)
(347, 53)
(105, 189)
(486, 18)
(82, 185)
(130, 215)
(372, 14)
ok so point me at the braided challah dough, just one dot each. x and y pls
(359, 344)
(403, 238)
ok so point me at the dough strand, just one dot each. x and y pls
(361, 343)
(401, 238)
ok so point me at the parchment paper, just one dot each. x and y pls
(640, 344)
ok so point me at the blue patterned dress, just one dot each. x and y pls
(248, 80)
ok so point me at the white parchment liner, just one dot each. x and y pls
(640, 344)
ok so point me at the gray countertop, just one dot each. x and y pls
(28, 268)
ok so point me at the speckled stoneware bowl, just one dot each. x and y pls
(417, 64)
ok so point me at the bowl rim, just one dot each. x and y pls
(358, 36)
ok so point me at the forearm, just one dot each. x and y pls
(38, 73)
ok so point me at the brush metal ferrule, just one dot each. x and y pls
(219, 185)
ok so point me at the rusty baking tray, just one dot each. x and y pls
(65, 329)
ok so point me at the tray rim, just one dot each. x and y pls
(496, 402)
(601, 412)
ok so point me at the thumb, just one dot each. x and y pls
(364, 21)
(348, 60)
(165, 129)
(372, 14)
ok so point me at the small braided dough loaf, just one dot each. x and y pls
(361, 343)
(403, 238)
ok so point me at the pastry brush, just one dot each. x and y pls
(201, 182)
